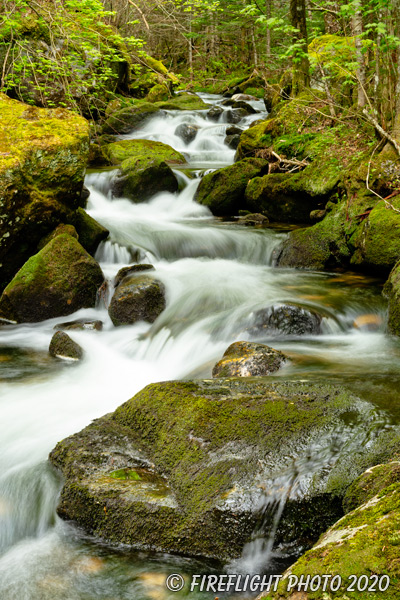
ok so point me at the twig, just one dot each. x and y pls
(141, 14)
(384, 133)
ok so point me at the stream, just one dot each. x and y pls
(217, 273)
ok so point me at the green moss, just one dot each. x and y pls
(118, 152)
(128, 118)
(183, 101)
(223, 191)
(158, 93)
(207, 439)
(90, 232)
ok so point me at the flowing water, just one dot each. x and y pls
(216, 274)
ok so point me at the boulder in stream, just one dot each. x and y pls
(214, 113)
(187, 132)
(117, 152)
(137, 298)
(61, 346)
(91, 232)
(392, 292)
(141, 177)
(122, 273)
(80, 325)
(184, 466)
(249, 359)
(223, 190)
(285, 319)
(57, 281)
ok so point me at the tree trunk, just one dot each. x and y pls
(357, 31)
(301, 67)
(268, 12)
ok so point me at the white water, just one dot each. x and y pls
(216, 274)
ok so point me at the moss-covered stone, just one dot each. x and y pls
(56, 281)
(248, 359)
(129, 118)
(90, 232)
(183, 101)
(158, 93)
(61, 346)
(59, 230)
(362, 547)
(141, 177)
(137, 298)
(255, 138)
(117, 152)
(214, 443)
(286, 198)
(43, 156)
(223, 191)
(392, 292)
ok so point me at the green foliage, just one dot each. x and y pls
(61, 53)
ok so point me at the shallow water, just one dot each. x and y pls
(216, 275)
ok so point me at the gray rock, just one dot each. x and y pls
(249, 359)
(232, 141)
(214, 113)
(80, 325)
(137, 298)
(61, 346)
(287, 319)
(186, 132)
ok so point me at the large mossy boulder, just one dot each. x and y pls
(249, 359)
(362, 548)
(118, 152)
(182, 466)
(43, 155)
(141, 177)
(56, 281)
(286, 198)
(183, 101)
(129, 118)
(223, 191)
(137, 298)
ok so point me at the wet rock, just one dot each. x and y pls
(141, 177)
(91, 233)
(236, 115)
(181, 467)
(184, 101)
(42, 164)
(80, 325)
(244, 106)
(249, 359)
(61, 346)
(214, 113)
(317, 215)
(56, 281)
(59, 230)
(129, 118)
(232, 141)
(227, 102)
(243, 97)
(223, 190)
(285, 198)
(371, 322)
(117, 152)
(253, 219)
(392, 292)
(85, 193)
(130, 271)
(363, 546)
(137, 298)
(233, 130)
(186, 132)
(287, 319)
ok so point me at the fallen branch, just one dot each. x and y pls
(278, 163)
(141, 14)
(384, 133)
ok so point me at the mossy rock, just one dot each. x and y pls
(377, 239)
(56, 281)
(322, 246)
(61, 346)
(248, 359)
(183, 101)
(361, 547)
(286, 198)
(158, 93)
(223, 191)
(255, 138)
(392, 292)
(91, 233)
(211, 442)
(117, 152)
(43, 155)
(141, 177)
(59, 230)
(129, 118)
(137, 298)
